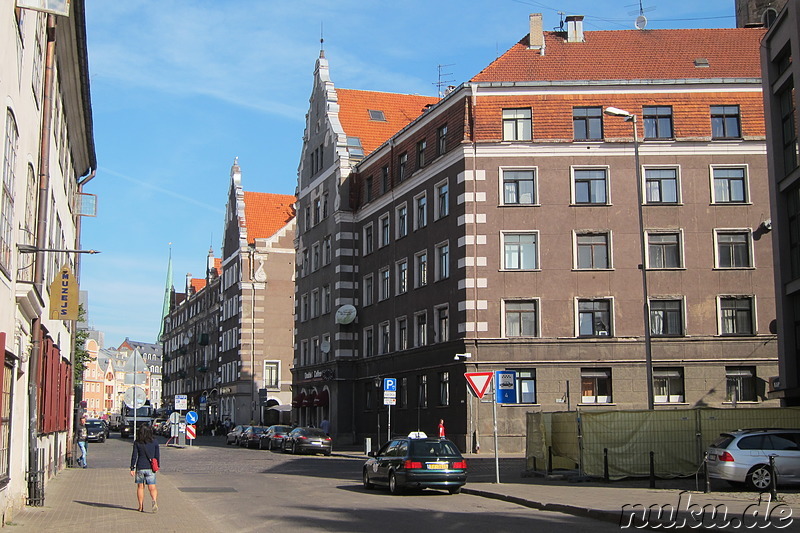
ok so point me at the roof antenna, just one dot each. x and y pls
(321, 40)
(560, 22)
(442, 83)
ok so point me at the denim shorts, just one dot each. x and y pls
(148, 477)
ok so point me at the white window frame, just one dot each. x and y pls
(440, 213)
(681, 258)
(384, 338)
(398, 278)
(276, 364)
(678, 196)
(593, 373)
(420, 222)
(401, 224)
(437, 326)
(682, 303)
(611, 317)
(384, 237)
(442, 267)
(502, 186)
(368, 290)
(368, 235)
(369, 341)
(504, 266)
(401, 339)
(420, 335)
(748, 233)
(746, 177)
(609, 248)
(418, 272)
(537, 318)
(753, 318)
(384, 284)
(604, 168)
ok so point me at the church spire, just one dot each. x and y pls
(167, 294)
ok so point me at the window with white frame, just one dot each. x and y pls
(526, 385)
(304, 308)
(315, 257)
(7, 193)
(666, 318)
(326, 299)
(668, 385)
(442, 200)
(519, 187)
(442, 261)
(369, 342)
(596, 385)
(402, 167)
(315, 357)
(421, 146)
(369, 239)
(402, 276)
(420, 211)
(590, 186)
(736, 315)
(521, 318)
(441, 140)
(303, 353)
(741, 384)
(384, 286)
(661, 186)
(442, 326)
(315, 303)
(725, 122)
(734, 249)
(592, 251)
(594, 318)
(326, 250)
(421, 269)
(517, 124)
(729, 185)
(306, 263)
(385, 234)
(402, 221)
(520, 251)
(664, 250)
(368, 289)
(401, 325)
(444, 389)
(326, 342)
(420, 329)
(383, 338)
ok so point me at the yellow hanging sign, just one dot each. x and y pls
(64, 296)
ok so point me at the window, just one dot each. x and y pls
(668, 385)
(326, 299)
(442, 261)
(6, 383)
(315, 257)
(661, 185)
(369, 342)
(402, 276)
(368, 190)
(383, 338)
(354, 148)
(526, 386)
(519, 187)
(421, 145)
(444, 388)
(666, 318)
(402, 333)
(741, 384)
(736, 315)
(422, 391)
(385, 235)
(402, 162)
(590, 185)
(368, 283)
(595, 385)
(317, 210)
(785, 98)
(442, 200)
(733, 249)
(592, 251)
(420, 212)
(304, 310)
(441, 140)
(315, 303)
(657, 122)
(384, 289)
(402, 392)
(421, 274)
(402, 221)
(516, 124)
(326, 250)
(521, 318)
(725, 123)
(420, 329)
(664, 250)
(369, 242)
(442, 324)
(272, 375)
(7, 193)
(587, 123)
(730, 185)
(520, 251)
(594, 318)
(324, 205)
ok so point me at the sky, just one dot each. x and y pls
(182, 87)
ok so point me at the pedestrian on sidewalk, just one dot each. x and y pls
(145, 448)
(82, 435)
(325, 426)
(441, 428)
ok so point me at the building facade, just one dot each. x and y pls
(751, 13)
(497, 229)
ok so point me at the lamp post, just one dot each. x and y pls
(630, 117)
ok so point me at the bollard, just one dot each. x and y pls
(652, 470)
(773, 485)
(605, 465)
(707, 480)
(549, 460)
(367, 445)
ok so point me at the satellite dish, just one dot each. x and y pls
(345, 314)
(641, 22)
(134, 397)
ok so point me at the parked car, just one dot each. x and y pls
(307, 440)
(276, 435)
(95, 431)
(253, 437)
(235, 434)
(106, 429)
(416, 462)
(742, 456)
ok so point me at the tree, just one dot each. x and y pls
(81, 355)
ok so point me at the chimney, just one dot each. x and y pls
(188, 284)
(575, 29)
(536, 37)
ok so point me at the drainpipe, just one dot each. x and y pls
(473, 106)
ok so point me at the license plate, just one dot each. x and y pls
(317, 443)
(437, 466)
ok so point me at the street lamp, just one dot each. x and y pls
(30, 249)
(630, 117)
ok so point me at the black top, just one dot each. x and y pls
(139, 459)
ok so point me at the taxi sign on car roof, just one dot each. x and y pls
(417, 435)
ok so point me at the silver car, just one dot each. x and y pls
(742, 456)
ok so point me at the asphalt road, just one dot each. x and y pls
(257, 490)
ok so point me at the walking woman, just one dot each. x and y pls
(145, 448)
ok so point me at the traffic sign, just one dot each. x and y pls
(389, 401)
(190, 431)
(506, 386)
(191, 417)
(478, 382)
(175, 417)
(181, 402)
(390, 394)
(390, 384)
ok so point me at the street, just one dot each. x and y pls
(259, 490)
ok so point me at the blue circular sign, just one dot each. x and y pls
(191, 417)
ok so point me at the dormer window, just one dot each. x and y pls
(377, 116)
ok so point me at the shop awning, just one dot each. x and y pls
(312, 399)
(303, 400)
(321, 399)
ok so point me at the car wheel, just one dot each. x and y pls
(759, 478)
(327, 454)
(394, 488)
(454, 490)
(365, 479)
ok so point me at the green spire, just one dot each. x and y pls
(167, 293)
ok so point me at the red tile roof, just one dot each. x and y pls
(398, 109)
(632, 55)
(197, 284)
(218, 265)
(266, 213)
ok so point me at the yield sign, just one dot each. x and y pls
(479, 382)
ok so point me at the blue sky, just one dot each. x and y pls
(182, 87)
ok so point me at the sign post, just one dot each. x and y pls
(478, 383)
(389, 399)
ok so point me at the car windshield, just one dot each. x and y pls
(259, 430)
(722, 441)
(433, 448)
(94, 425)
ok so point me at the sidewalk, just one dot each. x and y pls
(80, 499)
